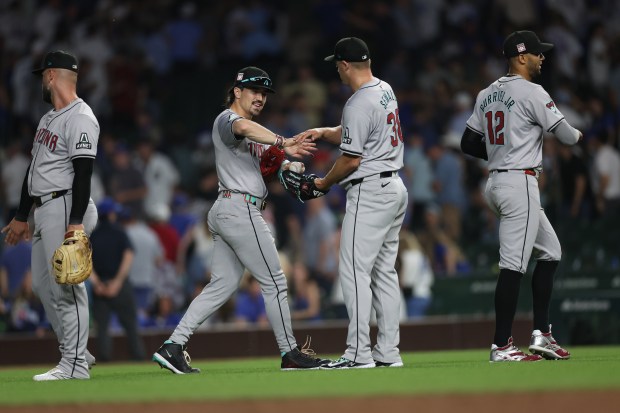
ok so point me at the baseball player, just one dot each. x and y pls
(371, 143)
(57, 183)
(241, 236)
(506, 127)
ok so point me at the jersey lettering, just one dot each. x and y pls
(394, 120)
(256, 149)
(496, 135)
(46, 138)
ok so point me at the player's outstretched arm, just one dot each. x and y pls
(331, 135)
(298, 146)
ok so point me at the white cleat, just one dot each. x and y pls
(53, 374)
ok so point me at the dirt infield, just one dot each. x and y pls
(564, 402)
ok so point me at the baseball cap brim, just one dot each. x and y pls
(545, 47)
(330, 58)
(38, 72)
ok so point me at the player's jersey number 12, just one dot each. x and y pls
(495, 127)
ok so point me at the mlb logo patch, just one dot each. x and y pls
(239, 76)
(521, 47)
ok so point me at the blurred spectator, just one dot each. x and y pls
(168, 285)
(416, 275)
(148, 256)
(576, 193)
(605, 175)
(249, 304)
(112, 291)
(419, 179)
(306, 296)
(195, 255)
(311, 90)
(446, 257)
(449, 189)
(126, 184)
(160, 175)
(18, 304)
(14, 168)
(320, 254)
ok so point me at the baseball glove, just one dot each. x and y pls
(301, 186)
(73, 260)
(270, 162)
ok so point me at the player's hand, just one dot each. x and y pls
(320, 184)
(299, 146)
(313, 134)
(15, 232)
(75, 227)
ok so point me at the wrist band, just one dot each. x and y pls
(279, 142)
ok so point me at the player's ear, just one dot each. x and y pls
(237, 92)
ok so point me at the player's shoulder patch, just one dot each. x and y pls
(551, 106)
(83, 143)
(346, 139)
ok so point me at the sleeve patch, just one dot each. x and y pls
(83, 143)
(345, 136)
(551, 107)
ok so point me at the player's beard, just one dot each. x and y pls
(47, 94)
(534, 69)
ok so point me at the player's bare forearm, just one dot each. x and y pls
(331, 135)
(254, 131)
(344, 166)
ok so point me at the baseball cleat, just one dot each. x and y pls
(53, 374)
(345, 363)
(175, 358)
(510, 352)
(90, 360)
(296, 359)
(544, 344)
(394, 364)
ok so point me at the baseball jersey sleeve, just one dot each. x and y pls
(355, 130)
(543, 111)
(82, 136)
(225, 128)
(475, 120)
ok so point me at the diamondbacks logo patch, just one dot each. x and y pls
(551, 107)
(83, 143)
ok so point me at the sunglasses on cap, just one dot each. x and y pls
(257, 79)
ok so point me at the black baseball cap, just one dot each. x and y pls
(254, 78)
(350, 49)
(524, 41)
(58, 59)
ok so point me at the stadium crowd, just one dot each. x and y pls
(155, 73)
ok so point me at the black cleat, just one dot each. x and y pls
(173, 357)
(302, 358)
(296, 360)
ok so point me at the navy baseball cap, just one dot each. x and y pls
(524, 41)
(254, 78)
(60, 60)
(108, 205)
(350, 49)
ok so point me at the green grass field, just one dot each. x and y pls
(454, 372)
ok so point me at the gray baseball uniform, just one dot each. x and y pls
(69, 133)
(376, 205)
(512, 114)
(241, 237)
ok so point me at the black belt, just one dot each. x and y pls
(386, 174)
(40, 200)
(525, 171)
